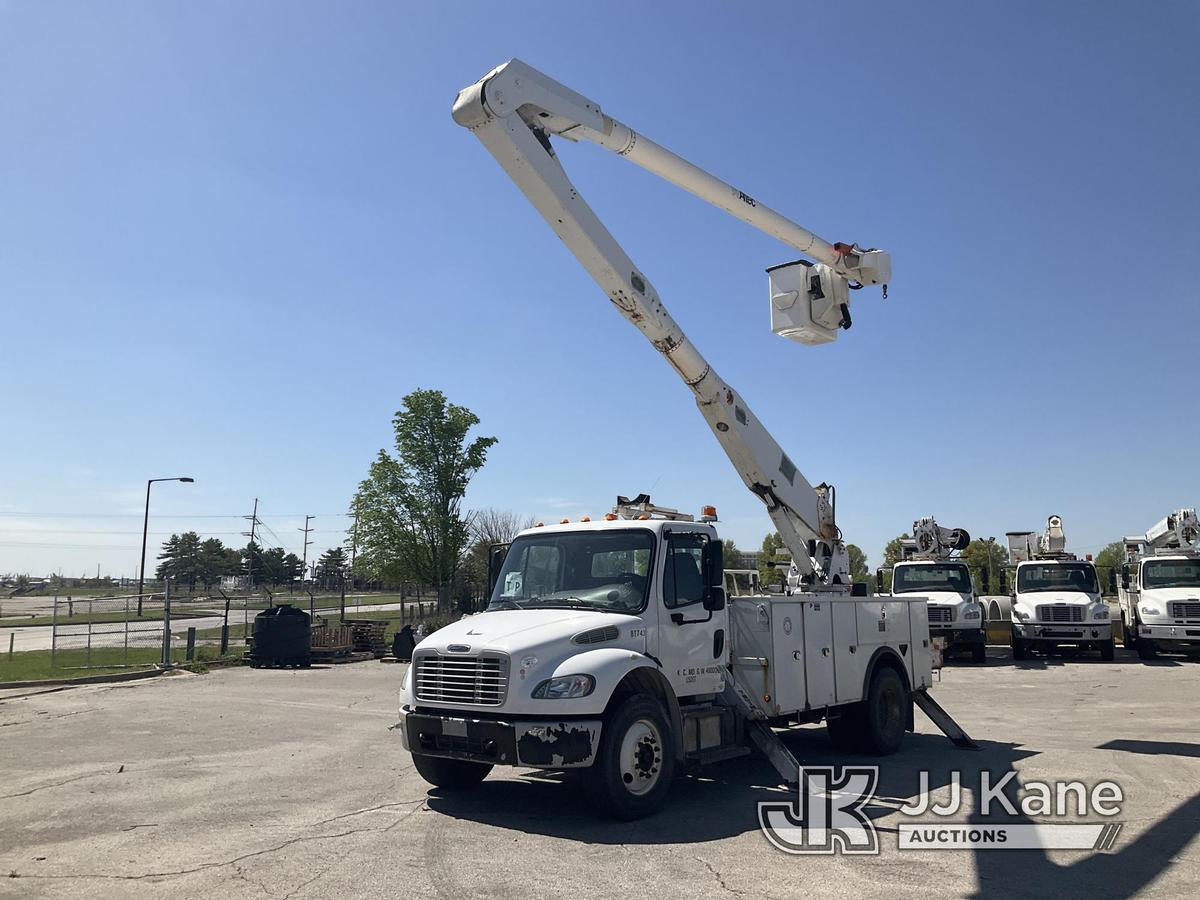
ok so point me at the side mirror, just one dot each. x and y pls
(1125, 576)
(858, 589)
(985, 579)
(495, 562)
(1003, 582)
(879, 581)
(1112, 581)
(712, 567)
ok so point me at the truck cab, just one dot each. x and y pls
(1056, 602)
(955, 614)
(1160, 603)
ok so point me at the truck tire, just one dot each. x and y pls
(635, 762)
(1127, 636)
(1108, 650)
(1019, 648)
(885, 713)
(1146, 649)
(450, 774)
(979, 653)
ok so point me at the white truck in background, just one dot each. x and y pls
(929, 567)
(1159, 597)
(1056, 598)
(609, 645)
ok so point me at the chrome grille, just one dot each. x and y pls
(479, 680)
(1184, 609)
(941, 614)
(1060, 613)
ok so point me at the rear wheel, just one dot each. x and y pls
(635, 762)
(450, 774)
(885, 713)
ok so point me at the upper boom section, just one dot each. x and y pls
(513, 110)
(931, 541)
(1178, 532)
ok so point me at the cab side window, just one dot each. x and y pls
(683, 583)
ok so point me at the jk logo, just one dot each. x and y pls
(827, 816)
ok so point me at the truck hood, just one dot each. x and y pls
(518, 630)
(942, 598)
(1049, 598)
(1166, 595)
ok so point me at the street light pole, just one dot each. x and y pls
(146, 531)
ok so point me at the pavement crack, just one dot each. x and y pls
(365, 810)
(717, 875)
(43, 787)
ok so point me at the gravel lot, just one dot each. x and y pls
(251, 783)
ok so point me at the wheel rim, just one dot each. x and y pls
(641, 757)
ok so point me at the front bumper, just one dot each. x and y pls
(1064, 632)
(542, 744)
(1170, 634)
(957, 637)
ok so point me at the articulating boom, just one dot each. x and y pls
(514, 110)
(931, 541)
(1177, 533)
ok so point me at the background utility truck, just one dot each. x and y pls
(608, 645)
(929, 567)
(1056, 597)
(1159, 596)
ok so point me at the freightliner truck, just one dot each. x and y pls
(610, 646)
(1159, 595)
(929, 567)
(1056, 597)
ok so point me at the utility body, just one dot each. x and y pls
(1159, 596)
(930, 567)
(1056, 599)
(611, 645)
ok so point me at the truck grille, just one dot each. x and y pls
(1184, 609)
(941, 614)
(478, 680)
(1060, 613)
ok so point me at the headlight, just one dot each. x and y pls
(972, 611)
(1147, 610)
(568, 687)
(1100, 611)
(1020, 615)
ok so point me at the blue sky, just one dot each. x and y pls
(234, 235)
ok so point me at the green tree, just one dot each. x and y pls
(410, 521)
(332, 566)
(252, 563)
(772, 546)
(858, 564)
(893, 552)
(1110, 559)
(983, 554)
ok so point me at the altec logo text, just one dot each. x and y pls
(830, 815)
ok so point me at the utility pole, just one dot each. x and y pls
(250, 551)
(304, 562)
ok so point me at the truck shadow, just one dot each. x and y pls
(722, 802)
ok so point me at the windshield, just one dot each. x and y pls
(1062, 576)
(608, 570)
(1161, 573)
(932, 577)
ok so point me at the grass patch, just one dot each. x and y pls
(35, 665)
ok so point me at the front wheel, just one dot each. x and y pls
(1146, 649)
(450, 774)
(1128, 636)
(1019, 648)
(979, 653)
(634, 765)
(1108, 651)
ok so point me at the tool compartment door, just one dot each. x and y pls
(886, 623)
(788, 656)
(819, 652)
(848, 658)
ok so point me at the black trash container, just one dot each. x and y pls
(282, 637)
(403, 643)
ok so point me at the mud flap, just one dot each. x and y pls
(943, 720)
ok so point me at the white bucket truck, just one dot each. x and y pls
(1056, 598)
(1159, 595)
(608, 646)
(930, 568)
